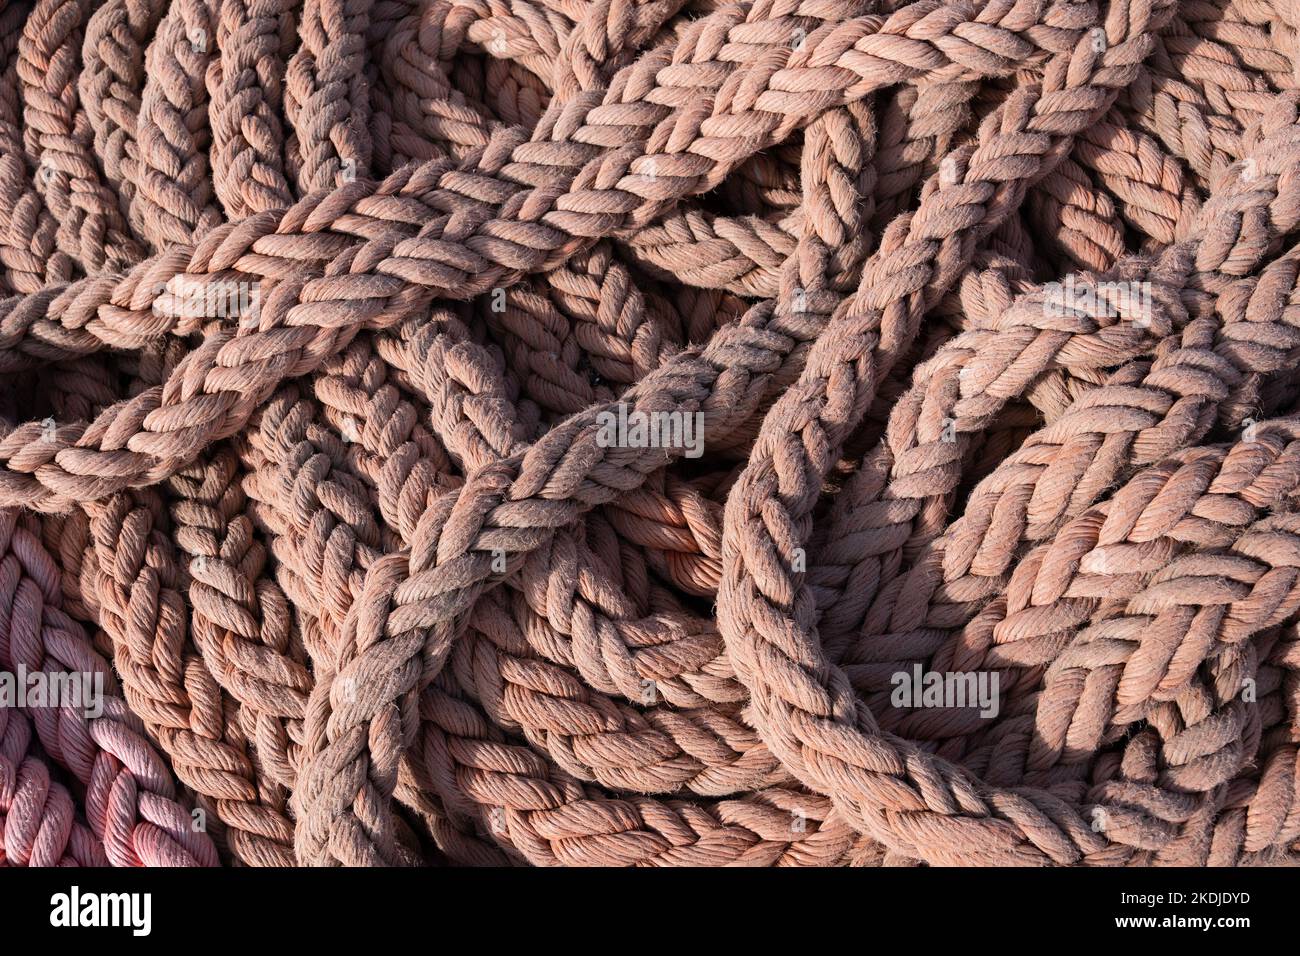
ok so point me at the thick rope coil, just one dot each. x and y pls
(976, 321)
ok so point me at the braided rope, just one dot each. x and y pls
(37, 823)
(313, 318)
(131, 801)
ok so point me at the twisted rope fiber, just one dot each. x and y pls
(443, 619)
(130, 797)
(38, 826)
(311, 313)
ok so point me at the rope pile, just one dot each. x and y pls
(317, 313)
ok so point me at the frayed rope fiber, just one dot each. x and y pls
(650, 432)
